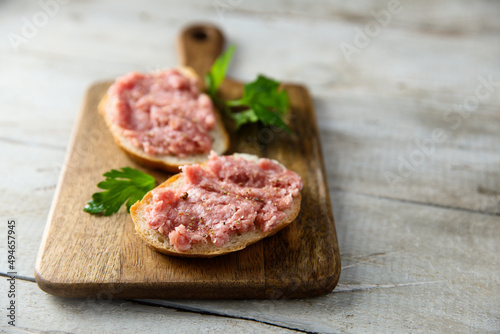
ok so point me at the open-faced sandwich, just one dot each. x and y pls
(162, 119)
(217, 207)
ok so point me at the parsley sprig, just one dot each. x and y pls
(127, 185)
(263, 99)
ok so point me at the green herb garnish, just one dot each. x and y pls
(218, 71)
(263, 100)
(126, 185)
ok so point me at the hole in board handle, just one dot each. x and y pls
(200, 35)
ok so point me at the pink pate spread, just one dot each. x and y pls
(162, 112)
(227, 195)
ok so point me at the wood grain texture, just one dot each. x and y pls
(199, 45)
(82, 255)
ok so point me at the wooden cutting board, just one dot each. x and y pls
(84, 255)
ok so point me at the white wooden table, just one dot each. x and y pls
(408, 104)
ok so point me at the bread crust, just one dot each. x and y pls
(169, 163)
(160, 242)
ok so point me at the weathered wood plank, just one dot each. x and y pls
(47, 313)
(29, 174)
(372, 147)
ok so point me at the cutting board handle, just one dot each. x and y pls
(199, 45)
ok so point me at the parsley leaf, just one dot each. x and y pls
(262, 99)
(126, 185)
(218, 71)
(266, 101)
(265, 91)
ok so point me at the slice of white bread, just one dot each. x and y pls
(170, 163)
(160, 242)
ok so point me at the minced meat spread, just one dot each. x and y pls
(162, 112)
(227, 195)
